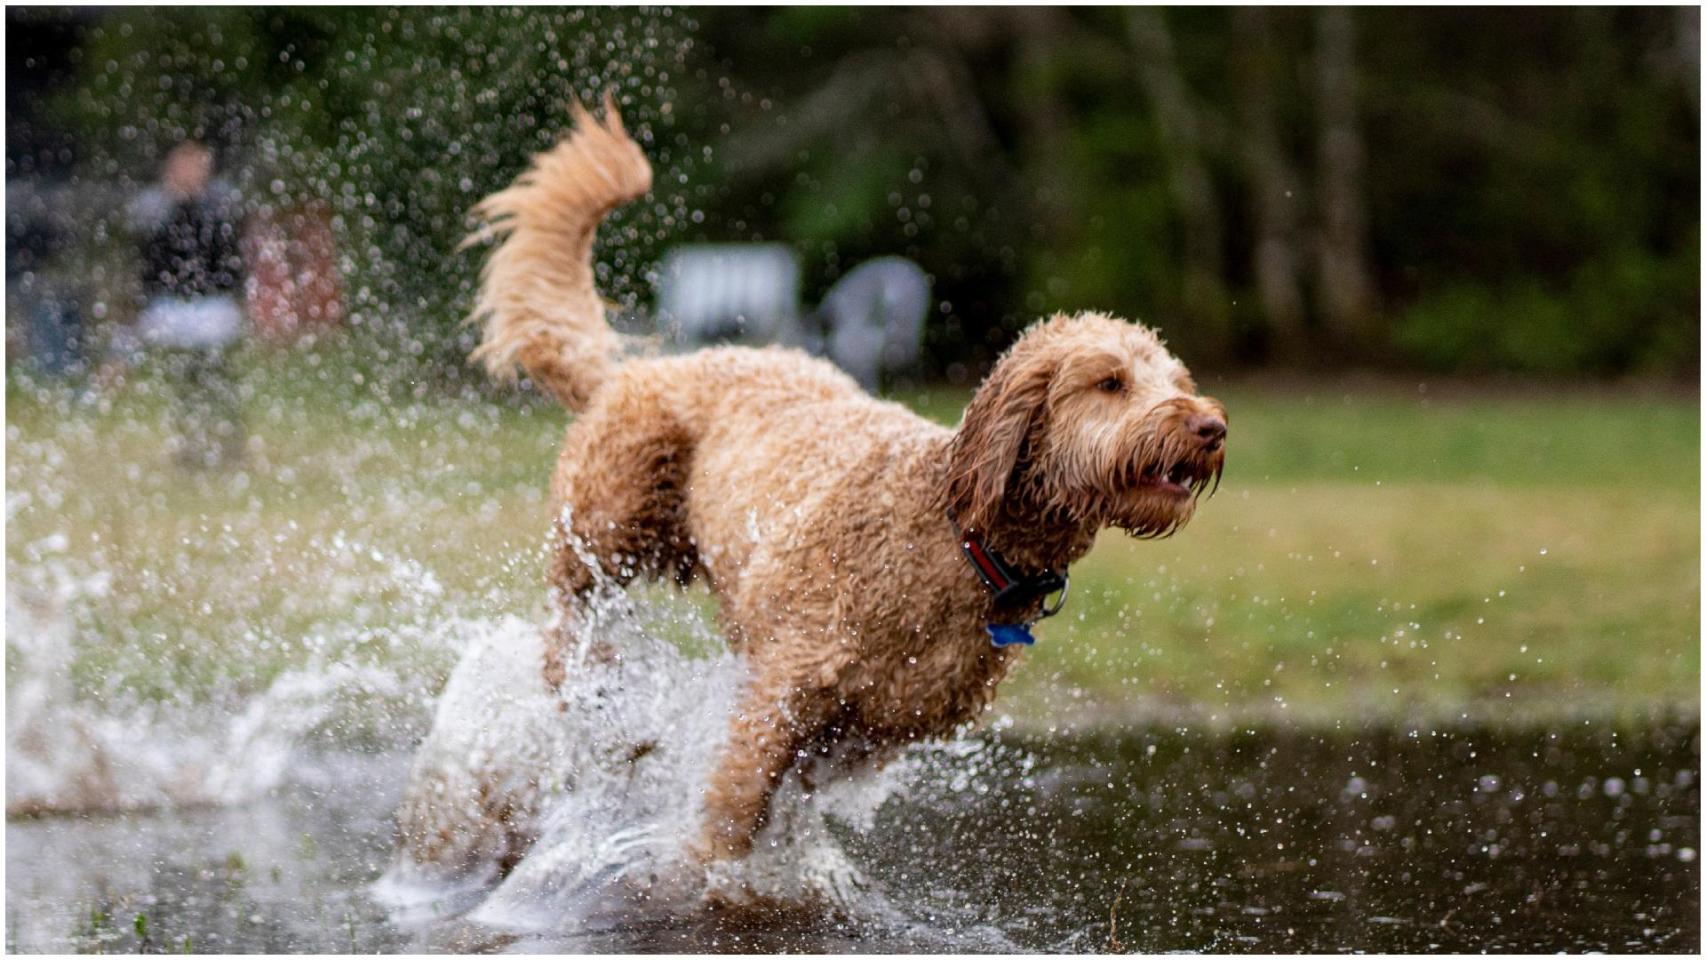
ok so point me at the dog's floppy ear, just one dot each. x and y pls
(992, 436)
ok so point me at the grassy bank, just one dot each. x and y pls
(1374, 550)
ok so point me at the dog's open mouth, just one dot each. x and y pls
(1183, 479)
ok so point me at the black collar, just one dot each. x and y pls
(1009, 585)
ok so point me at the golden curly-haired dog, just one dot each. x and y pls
(860, 553)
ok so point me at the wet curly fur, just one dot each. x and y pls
(818, 514)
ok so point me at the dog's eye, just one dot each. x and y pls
(1111, 385)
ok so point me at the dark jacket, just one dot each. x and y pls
(190, 247)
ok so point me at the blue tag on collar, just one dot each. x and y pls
(1007, 634)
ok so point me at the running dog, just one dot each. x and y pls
(878, 572)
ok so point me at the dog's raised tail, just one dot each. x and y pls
(538, 306)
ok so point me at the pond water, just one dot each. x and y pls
(1572, 838)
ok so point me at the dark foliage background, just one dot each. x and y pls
(1453, 190)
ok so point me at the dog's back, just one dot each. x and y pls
(764, 453)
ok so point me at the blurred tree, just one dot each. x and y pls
(1180, 123)
(1347, 299)
(1276, 194)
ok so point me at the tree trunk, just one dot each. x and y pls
(1346, 293)
(1275, 194)
(1037, 32)
(1181, 127)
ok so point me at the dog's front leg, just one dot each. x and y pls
(773, 723)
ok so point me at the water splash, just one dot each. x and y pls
(70, 751)
(607, 773)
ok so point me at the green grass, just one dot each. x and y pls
(1373, 551)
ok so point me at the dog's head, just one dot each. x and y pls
(1089, 421)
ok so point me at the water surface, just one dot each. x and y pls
(1575, 838)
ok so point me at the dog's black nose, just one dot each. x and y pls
(1211, 429)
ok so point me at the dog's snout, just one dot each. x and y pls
(1208, 428)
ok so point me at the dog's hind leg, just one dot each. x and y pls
(619, 490)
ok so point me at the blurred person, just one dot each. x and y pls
(188, 226)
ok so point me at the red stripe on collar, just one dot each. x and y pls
(992, 572)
